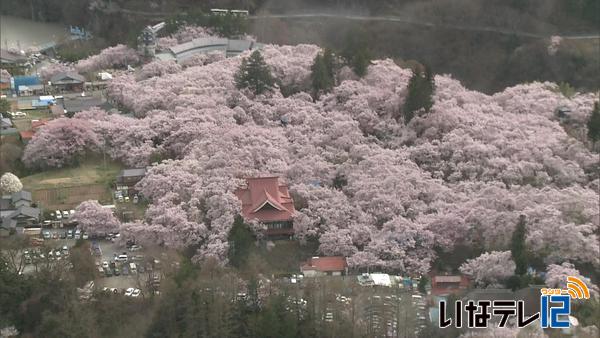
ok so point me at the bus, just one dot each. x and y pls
(236, 12)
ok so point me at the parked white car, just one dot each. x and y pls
(65, 214)
(136, 293)
(58, 215)
(135, 247)
(132, 267)
(129, 292)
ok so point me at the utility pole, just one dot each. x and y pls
(104, 152)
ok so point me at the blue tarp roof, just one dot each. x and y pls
(25, 81)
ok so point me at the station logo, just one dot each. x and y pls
(555, 309)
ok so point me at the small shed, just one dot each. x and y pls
(128, 178)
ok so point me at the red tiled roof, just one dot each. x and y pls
(325, 264)
(266, 199)
(36, 124)
(27, 134)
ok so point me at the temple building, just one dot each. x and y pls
(268, 201)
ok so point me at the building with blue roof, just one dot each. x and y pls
(27, 84)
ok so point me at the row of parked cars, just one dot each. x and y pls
(31, 256)
(59, 215)
(122, 197)
(122, 264)
(69, 234)
(129, 292)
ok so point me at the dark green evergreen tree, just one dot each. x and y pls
(421, 87)
(356, 52)
(320, 76)
(361, 61)
(423, 282)
(254, 74)
(240, 239)
(593, 124)
(330, 63)
(517, 247)
(4, 107)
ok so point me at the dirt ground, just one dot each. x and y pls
(70, 197)
(65, 188)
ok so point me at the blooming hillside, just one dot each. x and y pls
(367, 186)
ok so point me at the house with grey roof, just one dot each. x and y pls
(21, 198)
(68, 81)
(16, 210)
(81, 103)
(131, 176)
(25, 215)
(8, 57)
(128, 178)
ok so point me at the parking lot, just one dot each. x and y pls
(118, 266)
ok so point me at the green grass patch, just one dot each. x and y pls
(24, 123)
(36, 114)
(91, 171)
(286, 256)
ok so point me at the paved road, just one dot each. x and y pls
(398, 19)
(417, 22)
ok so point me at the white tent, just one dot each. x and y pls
(381, 279)
(104, 76)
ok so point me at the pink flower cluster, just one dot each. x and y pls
(112, 57)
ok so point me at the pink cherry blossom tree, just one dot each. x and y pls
(157, 68)
(60, 142)
(111, 57)
(490, 269)
(95, 219)
(10, 183)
